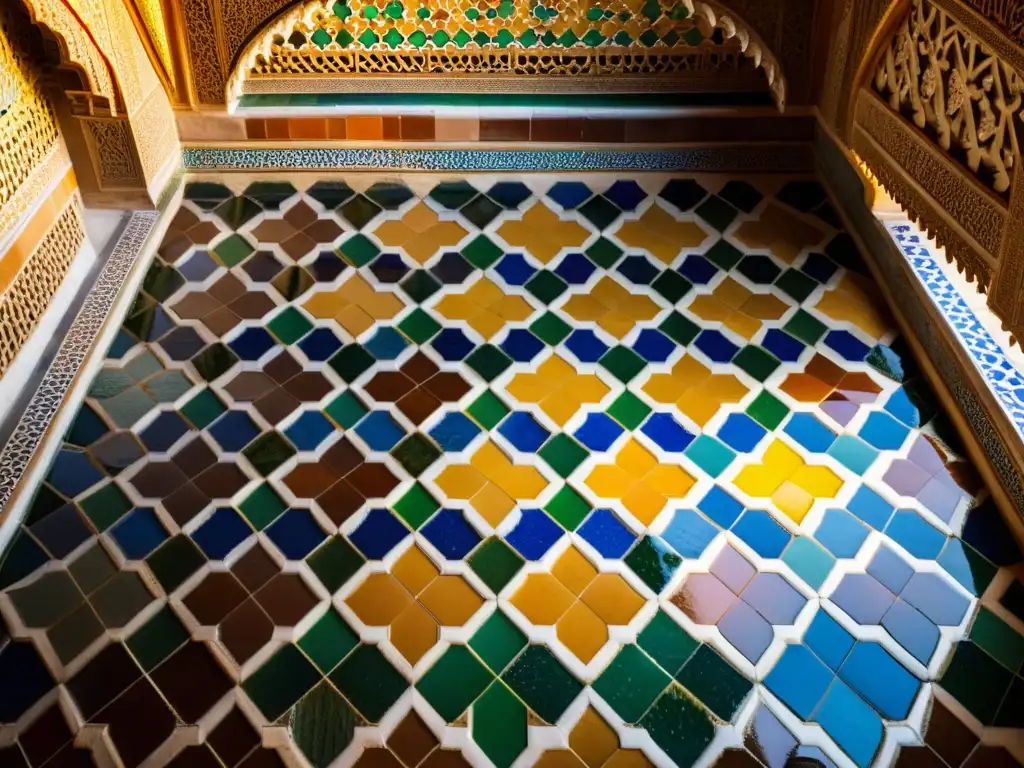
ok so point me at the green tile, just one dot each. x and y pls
(322, 725)
(808, 560)
(629, 410)
(758, 362)
(499, 725)
(623, 363)
(767, 410)
(92, 569)
(74, 633)
(168, 386)
(714, 681)
(563, 454)
(351, 361)
(631, 683)
(105, 506)
(87, 428)
(716, 212)
(131, 405)
(487, 410)
(796, 284)
(546, 286)
(671, 285)
(604, 253)
(416, 506)
(806, 327)
(369, 682)
(481, 253)
(679, 726)
(679, 328)
(709, 454)
(329, 641)
(495, 563)
(359, 211)
(498, 641)
(420, 285)
(419, 326)
(488, 361)
(666, 642)
(358, 250)
(121, 599)
(454, 682)
(175, 561)
(281, 682)
(203, 409)
(977, 681)
(157, 639)
(539, 679)
(335, 562)
(230, 252)
(998, 639)
(568, 507)
(599, 211)
(550, 328)
(22, 557)
(214, 361)
(724, 255)
(653, 562)
(416, 453)
(268, 452)
(262, 507)
(110, 383)
(346, 410)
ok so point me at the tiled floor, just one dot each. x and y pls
(557, 470)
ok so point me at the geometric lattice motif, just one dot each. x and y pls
(374, 474)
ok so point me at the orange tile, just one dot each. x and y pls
(392, 126)
(308, 128)
(593, 739)
(336, 128)
(255, 128)
(379, 600)
(451, 600)
(364, 127)
(417, 128)
(277, 128)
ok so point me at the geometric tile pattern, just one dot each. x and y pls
(427, 471)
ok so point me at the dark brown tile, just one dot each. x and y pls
(324, 231)
(309, 387)
(389, 386)
(918, 757)
(377, 758)
(198, 756)
(192, 681)
(445, 758)
(45, 736)
(823, 369)
(412, 740)
(221, 481)
(504, 130)
(948, 736)
(417, 127)
(560, 129)
(252, 306)
(158, 479)
(373, 480)
(300, 215)
(308, 128)
(222, 321)
(185, 503)
(277, 128)
(307, 481)
(276, 406)
(298, 246)
(286, 599)
(227, 289)
(255, 128)
(419, 368)
(991, 757)
(233, 738)
(249, 386)
(604, 130)
(246, 631)
(392, 127)
(12, 757)
(255, 568)
(214, 598)
(648, 131)
(194, 457)
(447, 386)
(418, 405)
(263, 758)
(736, 758)
(139, 722)
(102, 679)
(341, 458)
(340, 501)
(282, 367)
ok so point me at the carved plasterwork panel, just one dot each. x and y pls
(952, 86)
(115, 159)
(1008, 15)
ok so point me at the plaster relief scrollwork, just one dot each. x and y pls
(954, 88)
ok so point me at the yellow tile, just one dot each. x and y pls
(442, 235)
(413, 633)
(617, 323)
(670, 480)
(765, 306)
(755, 480)
(781, 457)
(793, 501)
(612, 599)
(820, 482)
(665, 388)
(324, 305)
(542, 233)
(555, 370)
(658, 232)
(512, 308)
(560, 406)
(609, 481)
(584, 308)
(484, 292)
(635, 459)
(393, 233)
(731, 293)
(521, 481)
(629, 758)
(609, 292)
(461, 481)
(587, 388)
(644, 502)
(420, 217)
(457, 307)
(850, 302)
(379, 599)
(639, 307)
(451, 600)
(574, 570)
(354, 320)
(542, 599)
(490, 460)
(582, 632)
(559, 758)
(781, 232)
(493, 504)
(528, 388)
(744, 325)
(709, 308)
(593, 740)
(415, 570)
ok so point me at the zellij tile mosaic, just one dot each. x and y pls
(554, 470)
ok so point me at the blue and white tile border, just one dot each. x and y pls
(1001, 374)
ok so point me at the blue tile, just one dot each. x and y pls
(862, 598)
(697, 269)
(915, 534)
(782, 345)
(880, 679)
(515, 269)
(198, 267)
(689, 533)
(666, 432)
(569, 194)
(841, 533)
(139, 533)
(638, 270)
(510, 194)
(521, 345)
(627, 195)
(891, 570)
(986, 531)
(903, 408)
(975, 575)
(741, 433)
(575, 269)
(164, 432)
(598, 432)
(523, 431)
(809, 561)
(450, 534)
(389, 268)
(309, 430)
(378, 534)
(296, 533)
(320, 344)
(809, 432)
(386, 344)
(716, 346)
(853, 453)
(710, 454)
(883, 432)
(120, 346)
(654, 346)
(720, 507)
(746, 629)
(454, 432)
(452, 344)
(847, 345)
(72, 473)
(829, 641)
(586, 346)
(760, 531)
(892, 364)
(819, 266)
(800, 680)
(911, 629)
(221, 533)
(534, 534)
(851, 723)
(233, 431)
(252, 343)
(606, 533)
(380, 431)
(871, 508)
